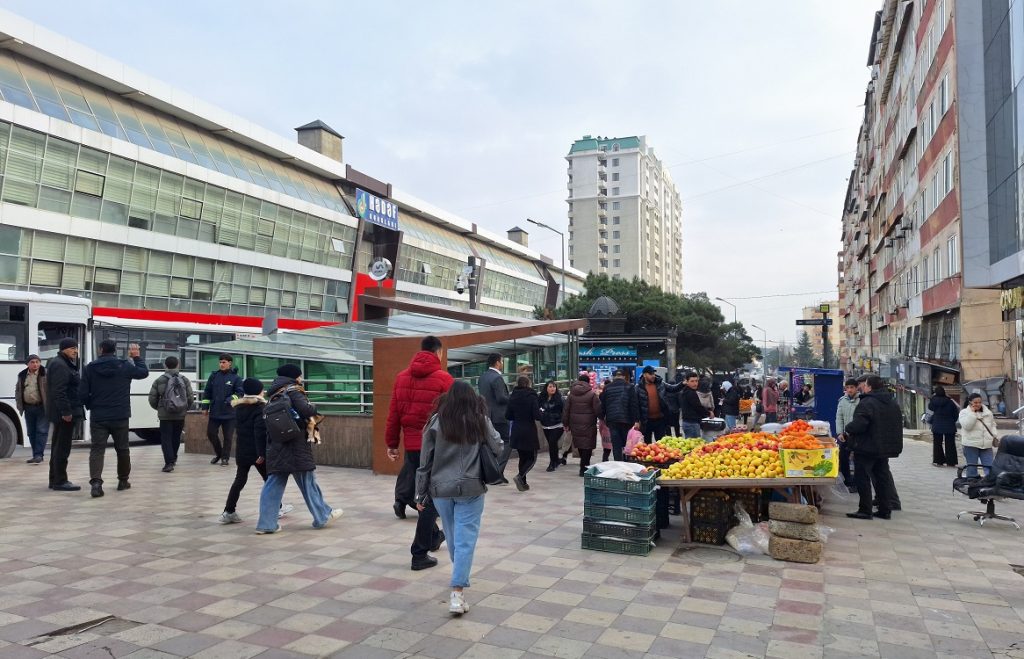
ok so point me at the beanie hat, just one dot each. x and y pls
(251, 387)
(289, 371)
(67, 343)
(31, 357)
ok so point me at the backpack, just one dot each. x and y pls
(175, 398)
(280, 417)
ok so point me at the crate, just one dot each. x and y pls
(620, 530)
(609, 498)
(709, 533)
(711, 507)
(754, 502)
(645, 485)
(615, 545)
(617, 514)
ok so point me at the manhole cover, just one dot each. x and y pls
(705, 554)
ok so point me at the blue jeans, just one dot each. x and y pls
(730, 421)
(38, 427)
(460, 518)
(273, 491)
(973, 456)
(691, 429)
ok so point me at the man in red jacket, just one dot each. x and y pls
(417, 388)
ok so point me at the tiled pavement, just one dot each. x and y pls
(179, 584)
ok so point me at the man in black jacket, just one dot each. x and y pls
(223, 386)
(64, 409)
(621, 410)
(106, 392)
(494, 390)
(690, 407)
(876, 434)
(652, 397)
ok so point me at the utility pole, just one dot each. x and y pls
(824, 309)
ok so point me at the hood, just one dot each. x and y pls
(579, 388)
(40, 372)
(424, 363)
(248, 400)
(279, 382)
(522, 393)
(106, 366)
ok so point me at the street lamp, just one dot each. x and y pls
(764, 357)
(722, 299)
(562, 236)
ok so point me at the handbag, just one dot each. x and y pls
(995, 440)
(927, 417)
(490, 472)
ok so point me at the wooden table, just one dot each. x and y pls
(689, 487)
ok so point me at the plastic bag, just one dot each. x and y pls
(623, 471)
(633, 437)
(746, 538)
(824, 532)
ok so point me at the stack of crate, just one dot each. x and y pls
(619, 516)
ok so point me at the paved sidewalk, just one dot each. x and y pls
(181, 585)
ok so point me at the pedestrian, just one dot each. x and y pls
(288, 456)
(770, 401)
(746, 406)
(730, 404)
(551, 406)
(106, 393)
(413, 399)
(30, 399)
(62, 384)
(603, 431)
(250, 447)
(494, 390)
(672, 405)
(844, 414)
(582, 408)
(945, 413)
(223, 386)
(523, 412)
(690, 406)
(652, 398)
(979, 435)
(449, 477)
(172, 397)
(876, 434)
(621, 411)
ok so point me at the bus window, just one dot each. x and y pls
(13, 332)
(51, 334)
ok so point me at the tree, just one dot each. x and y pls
(704, 339)
(804, 353)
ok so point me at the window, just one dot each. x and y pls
(944, 95)
(616, 249)
(947, 173)
(615, 235)
(616, 219)
(952, 256)
(191, 208)
(13, 332)
(936, 266)
(89, 183)
(936, 195)
(616, 205)
(615, 163)
(926, 273)
(615, 192)
(615, 176)
(617, 263)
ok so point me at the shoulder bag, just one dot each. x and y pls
(490, 472)
(995, 440)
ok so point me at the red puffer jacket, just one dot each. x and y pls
(412, 401)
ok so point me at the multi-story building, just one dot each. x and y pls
(907, 311)
(625, 215)
(817, 332)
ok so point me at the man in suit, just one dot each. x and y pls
(495, 393)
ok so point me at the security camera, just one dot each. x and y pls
(461, 284)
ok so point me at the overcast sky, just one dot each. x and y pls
(473, 106)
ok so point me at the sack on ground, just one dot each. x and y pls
(281, 418)
(175, 399)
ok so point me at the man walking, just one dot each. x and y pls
(494, 390)
(844, 414)
(875, 434)
(171, 396)
(65, 408)
(621, 411)
(690, 406)
(223, 386)
(770, 401)
(416, 390)
(106, 393)
(30, 399)
(652, 397)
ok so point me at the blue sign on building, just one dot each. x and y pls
(376, 210)
(608, 351)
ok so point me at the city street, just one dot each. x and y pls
(180, 585)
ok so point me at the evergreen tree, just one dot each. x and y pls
(804, 353)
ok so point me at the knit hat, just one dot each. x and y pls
(289, 371)
(31, 357)
(649, 369)
(251, 386)
(67, 343)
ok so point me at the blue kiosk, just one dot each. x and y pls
(827, 387)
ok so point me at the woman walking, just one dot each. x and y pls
(582, 409)
(551, 406)
(944, 417)
(979, 435)
(450, 476)
(524, 412)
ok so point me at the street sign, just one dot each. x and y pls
(823, 308)
(814, 321)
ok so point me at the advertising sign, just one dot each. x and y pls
(608, 351)
(375, 210)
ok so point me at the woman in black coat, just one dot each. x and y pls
(523, 411)
(551, 406)
(944, 415)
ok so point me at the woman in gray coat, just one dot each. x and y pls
(450, 476)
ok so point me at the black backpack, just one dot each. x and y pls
(280, 417)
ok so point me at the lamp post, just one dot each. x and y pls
(562, 236)
(764, 357)
(722, 299)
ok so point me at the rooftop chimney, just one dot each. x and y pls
(320, 137)
(517, 235)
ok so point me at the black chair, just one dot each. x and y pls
(1005, 480)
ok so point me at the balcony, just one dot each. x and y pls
(602, 211)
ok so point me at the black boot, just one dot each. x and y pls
(97, 489)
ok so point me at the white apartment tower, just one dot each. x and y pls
(625, 215)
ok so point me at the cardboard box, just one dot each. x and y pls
(811, 463)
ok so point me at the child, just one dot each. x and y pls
(251, 448)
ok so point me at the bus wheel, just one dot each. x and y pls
(148, 435)
(8, 436)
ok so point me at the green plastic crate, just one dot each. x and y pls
(615, 545)
(645, 485)
(621, 530)
(611, 498)
(618, 514)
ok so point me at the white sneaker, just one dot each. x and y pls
(285, 509)
(229, 518)
(335, 514)
(457, 604)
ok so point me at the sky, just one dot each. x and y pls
(473, 106)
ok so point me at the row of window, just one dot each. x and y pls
(500, 286)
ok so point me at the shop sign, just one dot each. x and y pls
(377, 211)
(608, 351)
